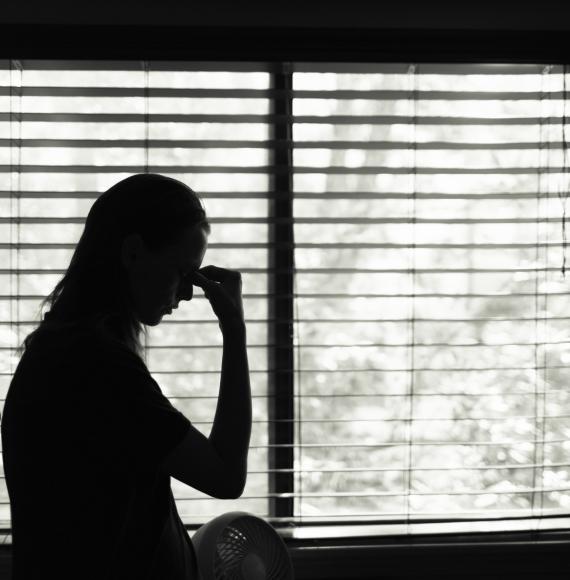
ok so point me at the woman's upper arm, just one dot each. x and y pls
(195, 462)
(137, 423)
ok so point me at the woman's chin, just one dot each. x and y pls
(153, 320)
(162, 313)
(155, 317)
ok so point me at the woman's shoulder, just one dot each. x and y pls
(83, 343)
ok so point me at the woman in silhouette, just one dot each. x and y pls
(89, 441)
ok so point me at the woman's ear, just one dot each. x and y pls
(132, 250)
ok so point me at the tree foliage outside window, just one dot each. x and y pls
(464, 322)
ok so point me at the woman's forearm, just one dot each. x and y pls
(231, 432)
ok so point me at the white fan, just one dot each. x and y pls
(241, 546)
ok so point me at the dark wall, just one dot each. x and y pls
(380, 14)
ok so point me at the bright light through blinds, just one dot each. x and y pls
(66, 136)
(432, 326)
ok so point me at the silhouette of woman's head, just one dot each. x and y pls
(141, 237)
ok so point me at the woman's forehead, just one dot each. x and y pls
(191, 247)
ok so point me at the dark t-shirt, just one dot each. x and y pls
(84, 429)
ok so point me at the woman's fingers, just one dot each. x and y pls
(200, 280)
(219, 274)
(208, 286)
(222, 288)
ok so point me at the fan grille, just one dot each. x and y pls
(247, 536)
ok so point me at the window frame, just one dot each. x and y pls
(281, 44)
(481, 554)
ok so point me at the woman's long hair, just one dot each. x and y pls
(94, 290)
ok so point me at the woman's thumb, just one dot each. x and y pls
(202, 282)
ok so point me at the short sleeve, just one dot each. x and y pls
(126, 418)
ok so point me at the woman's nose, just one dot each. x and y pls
(186, 291)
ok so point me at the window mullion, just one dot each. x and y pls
(281, 385)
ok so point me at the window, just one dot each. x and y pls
(400, 230)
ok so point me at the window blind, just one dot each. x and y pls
(400, 230)
(431, 308)
(72, 129)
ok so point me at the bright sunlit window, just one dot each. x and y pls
(429, 330)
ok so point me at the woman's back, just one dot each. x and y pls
(84, 430)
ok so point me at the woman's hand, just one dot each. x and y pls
(222, 288)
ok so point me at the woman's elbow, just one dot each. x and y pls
(238, 489)
(233, 487)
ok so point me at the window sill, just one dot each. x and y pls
(507, 556)
(501, 555)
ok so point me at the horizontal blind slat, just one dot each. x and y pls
(418, 170)
(336, 296)
(24, 168)
(314, 220)
(497, 444)
(387, 420)
(22, 194)
(63, 117)
(367, 494)
(373, 469)
(406, 320)
(136, 92)
(58, 65)
(427, 145)
(142, 144)
(269, 144)
(416, 369)
(221, 93)
(517, 70)
(419, 344)
(338, 271)
(316, 246)
(70, 169)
